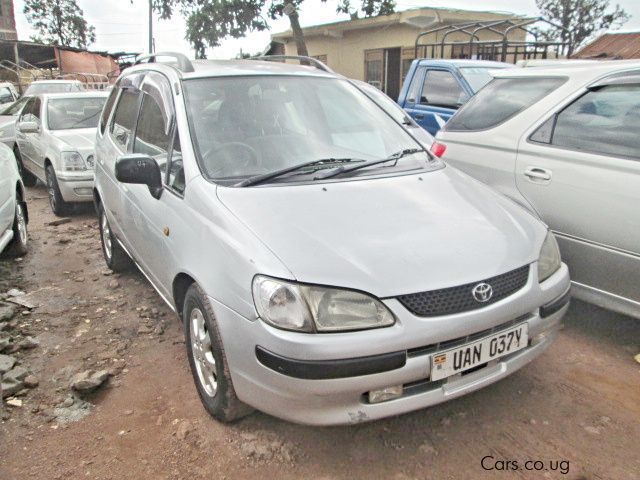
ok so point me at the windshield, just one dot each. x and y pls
(477, 77)
(49, 87)
(5, 95)
(248, 126)
(68, 113)
(15, 108)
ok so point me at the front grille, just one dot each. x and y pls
(447, 301)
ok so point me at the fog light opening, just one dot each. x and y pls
(385, 394)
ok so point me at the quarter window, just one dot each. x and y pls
(441, 89)
(124, 118)
(175, 172)
(604, 121)
(500, 100)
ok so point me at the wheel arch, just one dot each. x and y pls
(181, 284)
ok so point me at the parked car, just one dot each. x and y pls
(8, 93)
(55, 139)
(327, 268)
(54, 86)
(564, 143)
(434, 89)
(13, 208)
(8, 116)
(396, 112)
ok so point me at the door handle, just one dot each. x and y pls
(536, 173)
(419, 116)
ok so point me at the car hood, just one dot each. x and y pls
(390, 236)
(81, 139)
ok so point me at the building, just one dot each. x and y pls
(7, 21)
(613, 46)
(379, 50)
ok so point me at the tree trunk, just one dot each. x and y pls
(298, 36)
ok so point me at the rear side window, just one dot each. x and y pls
(124, 118)
(108, 106)
(500, 100)
(442, 89)
(604, 121)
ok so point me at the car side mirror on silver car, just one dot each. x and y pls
(29, 127)
(140, 169)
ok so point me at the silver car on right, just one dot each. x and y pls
(564, 141)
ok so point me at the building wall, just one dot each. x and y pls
(7, 21)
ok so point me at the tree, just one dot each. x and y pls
(210, 21)
(59, 22)
(579, 19)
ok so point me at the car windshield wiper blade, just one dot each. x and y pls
(342, 169)
(257, 179)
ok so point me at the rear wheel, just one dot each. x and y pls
(18, 246)
(114, 256)
(207, 359)
(58, 205)
(28, 178)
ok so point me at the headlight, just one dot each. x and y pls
(72, 162)
(310, 308)
(549, 260)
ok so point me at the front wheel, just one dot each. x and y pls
(114, 256)
(58, 205)
(28, 178)
(18, 245)
(207, 359)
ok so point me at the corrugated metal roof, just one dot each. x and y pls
(612, 45)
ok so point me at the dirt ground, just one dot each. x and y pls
(575, 410)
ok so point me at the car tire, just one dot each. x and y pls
(28, 178)
(207, 359)
(114, 256)
(58, 206)
(18, 246)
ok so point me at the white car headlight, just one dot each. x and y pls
(549, 261)
(73, 162)
(309, 308)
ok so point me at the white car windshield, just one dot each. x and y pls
(248, 126)
(69, 113)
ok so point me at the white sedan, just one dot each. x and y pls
(55, 136)
(13, 209)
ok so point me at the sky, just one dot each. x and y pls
(121, 25)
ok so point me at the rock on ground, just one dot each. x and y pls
(87, 381)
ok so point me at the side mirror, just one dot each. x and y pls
(140, 169)
(28, 127)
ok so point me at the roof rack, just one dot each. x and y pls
(313, 61)
(184, 64)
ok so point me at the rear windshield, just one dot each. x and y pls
(477, 77)
(500, 100)
(68, 113)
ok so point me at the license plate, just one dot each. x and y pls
(467, 356)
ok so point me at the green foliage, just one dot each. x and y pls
(581, 19)
(59, 22)
(211, 21)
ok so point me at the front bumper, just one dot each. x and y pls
(336, 395)
(76, 187)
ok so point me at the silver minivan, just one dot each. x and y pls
(326, 267)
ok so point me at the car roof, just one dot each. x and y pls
(459, 62)
(236, 68)
(577, 70)
(89, 94)
(55, 81)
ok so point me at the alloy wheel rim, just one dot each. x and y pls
(21, 224)
(106, 237)
(203, 358)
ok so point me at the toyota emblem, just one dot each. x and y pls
(482, 292)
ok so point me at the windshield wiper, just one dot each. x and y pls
(342, 169)
(257, 179)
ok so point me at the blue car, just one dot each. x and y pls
(434, 89)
